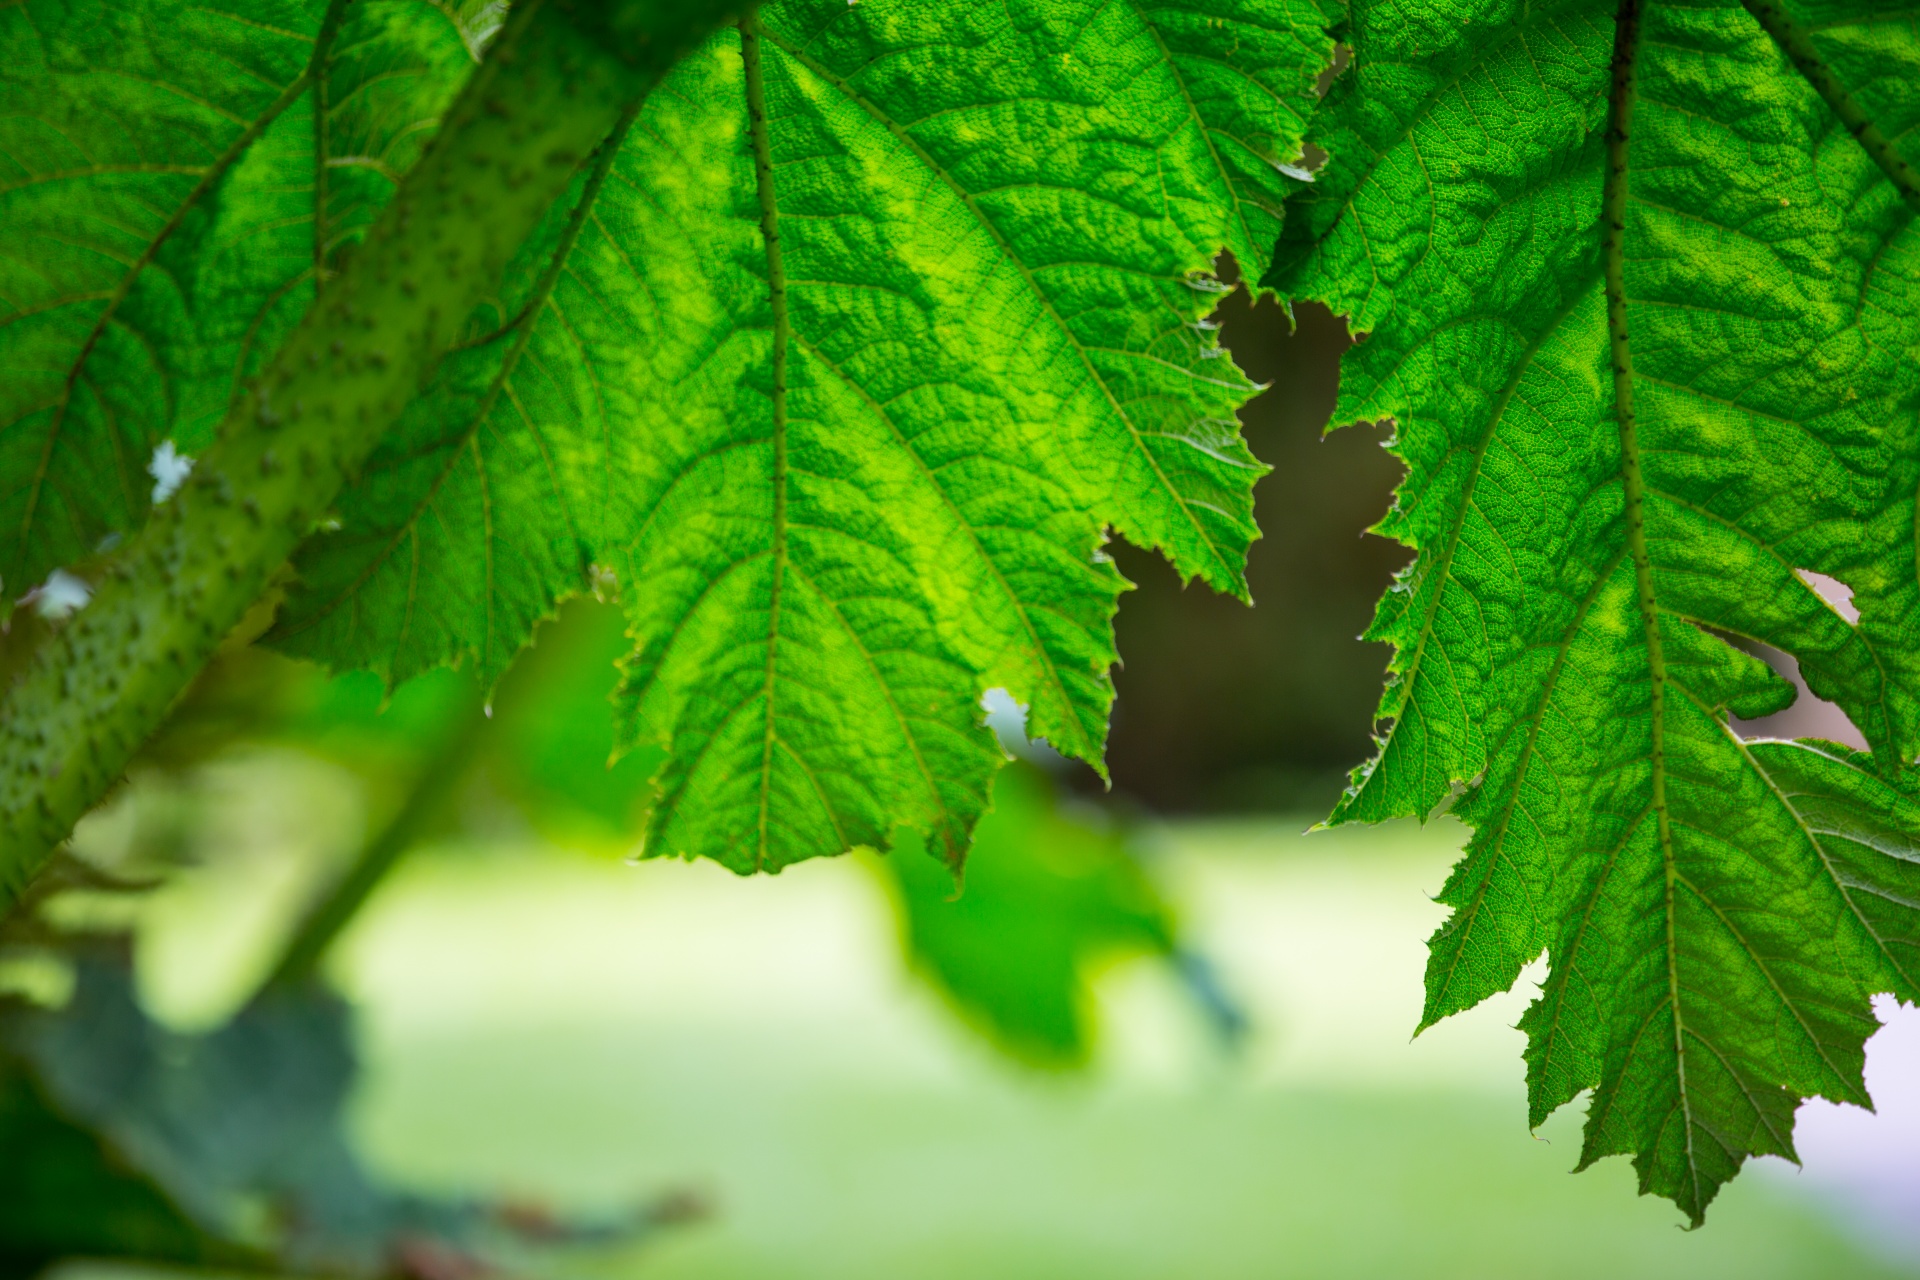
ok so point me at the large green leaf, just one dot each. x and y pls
(839, 363)
(1588, 497)
(161, 165)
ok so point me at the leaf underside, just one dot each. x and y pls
(840, 363)
(1716, 912)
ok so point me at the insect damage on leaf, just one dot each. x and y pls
(840, 362)
(1639, 288)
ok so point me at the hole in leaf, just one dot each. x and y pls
(1008, 720)
(1810, 716)
(1837, 594)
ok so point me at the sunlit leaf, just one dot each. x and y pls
(840, 364)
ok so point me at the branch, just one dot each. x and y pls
(553, 85)
(438, 776)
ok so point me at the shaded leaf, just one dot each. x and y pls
(229, 1123)
(63, 1194)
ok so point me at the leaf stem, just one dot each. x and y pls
(782, 334)
(549, 90)
(436, 779)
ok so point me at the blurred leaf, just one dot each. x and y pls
(244, 1130)
(545, 752)
(64, 1193)
(1051, 892)
(548, 742)
(555, 735)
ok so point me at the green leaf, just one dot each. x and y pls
(840, 365)
(555, 83)
(1049, 894)
(1589, 495)
(161, 165)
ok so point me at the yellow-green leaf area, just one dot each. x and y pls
(838, 369)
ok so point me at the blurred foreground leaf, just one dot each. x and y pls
(228, 1147)
(1052, 892)
(65, 1193)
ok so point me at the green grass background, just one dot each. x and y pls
(592, 1034)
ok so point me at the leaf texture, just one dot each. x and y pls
(839, 362)
(1639, 293)
(161, 166)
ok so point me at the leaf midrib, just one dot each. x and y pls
(1613, 229)
(757, 131)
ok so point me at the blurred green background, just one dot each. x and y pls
(569, 1028)
(1164, 1031)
